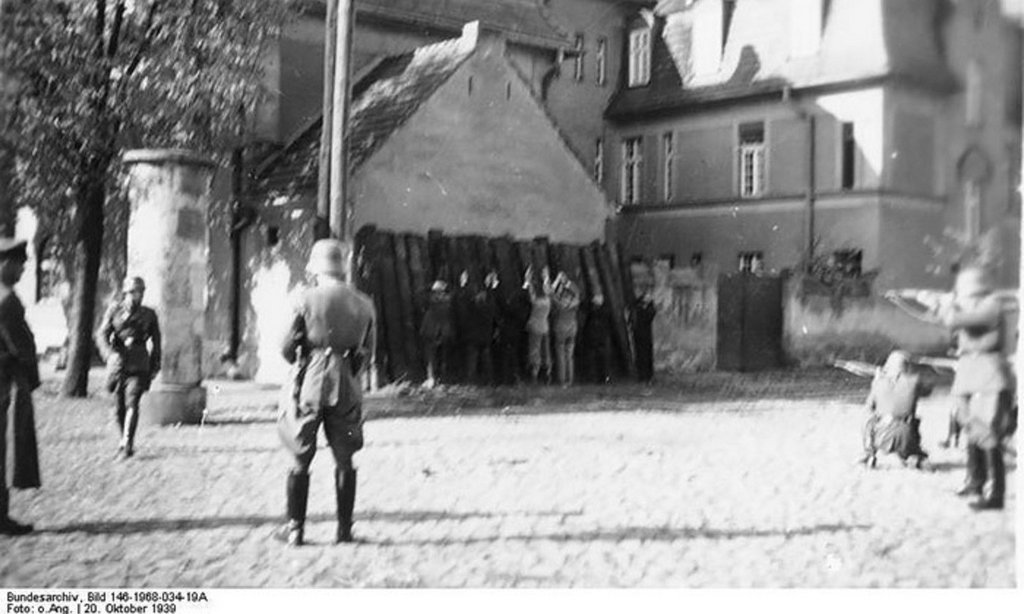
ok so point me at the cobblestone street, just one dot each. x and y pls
(660, 487)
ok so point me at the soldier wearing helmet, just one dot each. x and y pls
(983, 382)
(129, 341)
(19, 376)
(330, 333)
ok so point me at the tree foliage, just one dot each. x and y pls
(95, 77)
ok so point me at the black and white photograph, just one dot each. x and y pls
(507, 294)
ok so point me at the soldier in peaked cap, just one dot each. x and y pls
(122, 339)
(331, 332)
(19, 376)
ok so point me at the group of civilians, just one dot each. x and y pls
(535, 333)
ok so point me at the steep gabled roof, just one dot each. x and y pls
(382, 101)
(521, 21)
(862, 40)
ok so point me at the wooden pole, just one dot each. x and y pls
(321, 228)
(340, 216)
(1019, 366)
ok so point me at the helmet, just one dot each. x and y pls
(131, 284)
(328, 257)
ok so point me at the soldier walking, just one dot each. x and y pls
(127, 328)
(19, 376)
(331, 333)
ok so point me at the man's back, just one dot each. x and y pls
(336, 316)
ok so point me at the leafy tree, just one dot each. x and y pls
(96, 77)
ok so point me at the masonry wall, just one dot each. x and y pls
(817, 330)
(481, 160)
(777, 229)
(578, 105)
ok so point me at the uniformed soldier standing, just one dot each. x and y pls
(983, 383)
(122, 339)
(19, 376)
(332, 332)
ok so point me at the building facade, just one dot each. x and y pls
(747, 131)
(448, 136)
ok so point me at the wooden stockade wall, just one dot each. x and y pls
(397, 270)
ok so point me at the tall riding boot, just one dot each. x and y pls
(131, 423)
(993, 499)
(975, 472)
(8, 526)
(345, 491)
(298, 493)
(120, 409)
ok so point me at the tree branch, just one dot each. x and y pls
(115, 31)
(149, 32)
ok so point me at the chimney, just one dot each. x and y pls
(477, 36)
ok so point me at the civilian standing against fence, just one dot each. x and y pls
(565, 304)
(537, 328)
(129, 340)
(643, 337)
(437, 331)
(19, 376)
(330, 338)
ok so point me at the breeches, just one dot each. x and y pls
(988, 417)
(298, 424)
(128, 393)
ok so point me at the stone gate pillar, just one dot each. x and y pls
(169, 194)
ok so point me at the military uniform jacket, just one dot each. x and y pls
(980, 328)
(19, 376)
(125, 332)
(331, 324)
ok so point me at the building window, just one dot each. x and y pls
(751, 262)
(849, 155)
(751, 163)
(972, 102)
(972, 209)
(848, 262)
(577, 66)
(602, 61)
(668, 156)
(632, 160)
(599, 161)
(639, 57)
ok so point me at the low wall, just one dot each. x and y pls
(818, 329)
(685, 324)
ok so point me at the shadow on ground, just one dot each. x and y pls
(149, 525)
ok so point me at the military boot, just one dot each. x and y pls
(9, 526)
(975, 472)
(345, 491)
(298, 494)
(996, 491)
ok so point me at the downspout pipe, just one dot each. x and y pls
(242, 217)
(811, 189)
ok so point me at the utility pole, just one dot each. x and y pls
(340, 215)
(322, 228)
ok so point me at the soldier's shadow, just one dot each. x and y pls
(153, 525)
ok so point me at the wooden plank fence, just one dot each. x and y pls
(397, 270)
